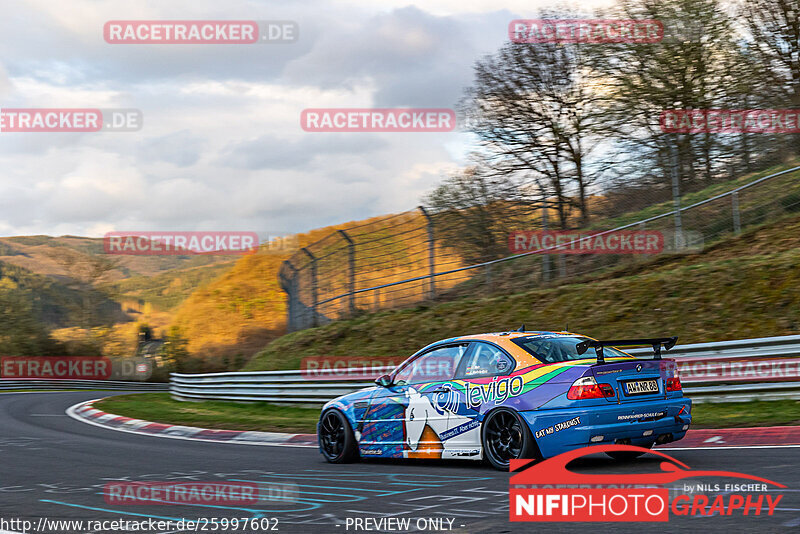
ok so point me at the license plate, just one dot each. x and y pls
(639, 387)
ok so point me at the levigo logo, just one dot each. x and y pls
(548, 491)
(497, 391)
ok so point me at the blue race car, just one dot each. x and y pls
(510, 395)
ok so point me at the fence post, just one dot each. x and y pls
(545, 257)
(431, 255)
(286, 285)
(676, 195)
(351, 268)
(488, 277)
(314, 317)
(737, 222)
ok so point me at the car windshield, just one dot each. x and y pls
(553, 349)
(434, 366)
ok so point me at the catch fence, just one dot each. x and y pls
(405, 260)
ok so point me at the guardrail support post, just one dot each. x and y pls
(737, 222)
(431, 255)
(351, 268)
(314, 298)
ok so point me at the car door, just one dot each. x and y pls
(482, 367)
(406, 416)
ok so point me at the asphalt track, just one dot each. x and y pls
(54, 467)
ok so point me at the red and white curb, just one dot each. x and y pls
(86, 413)
(727, 438)
(767, 437)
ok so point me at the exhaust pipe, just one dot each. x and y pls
(664, 438)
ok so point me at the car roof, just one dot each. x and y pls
(494, 336)
(505, 341)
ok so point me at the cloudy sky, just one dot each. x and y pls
(221, 147)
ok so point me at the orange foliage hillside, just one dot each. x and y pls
(239, 312)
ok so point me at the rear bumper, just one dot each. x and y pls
(640, 423)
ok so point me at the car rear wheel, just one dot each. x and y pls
(336, 439)
(505, 437)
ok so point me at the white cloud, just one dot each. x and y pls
(221, 145)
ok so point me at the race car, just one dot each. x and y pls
(510, 395)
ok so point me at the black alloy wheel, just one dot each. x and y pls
(336, 439)
(506, 437)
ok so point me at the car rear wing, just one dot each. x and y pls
(655, 342)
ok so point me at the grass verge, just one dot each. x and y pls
(160, 408)
(744, 414)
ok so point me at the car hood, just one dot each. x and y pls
(348, 400)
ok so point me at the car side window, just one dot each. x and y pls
(437, 364)
(484, 359)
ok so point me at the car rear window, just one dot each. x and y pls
(554, 349)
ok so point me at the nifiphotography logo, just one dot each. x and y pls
(549, 491)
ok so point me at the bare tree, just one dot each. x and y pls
(475, 211)
(689, 69)
(774, 27)
(535, 114)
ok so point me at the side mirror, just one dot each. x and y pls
(384, 381)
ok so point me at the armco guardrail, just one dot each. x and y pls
(746, 369)
(56, 384)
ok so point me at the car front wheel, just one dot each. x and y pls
(336, 439)
(505, 437)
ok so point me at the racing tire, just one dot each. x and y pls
(336, 440)
(505, 436)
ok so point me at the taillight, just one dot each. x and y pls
(674, 384)
(588, 388)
